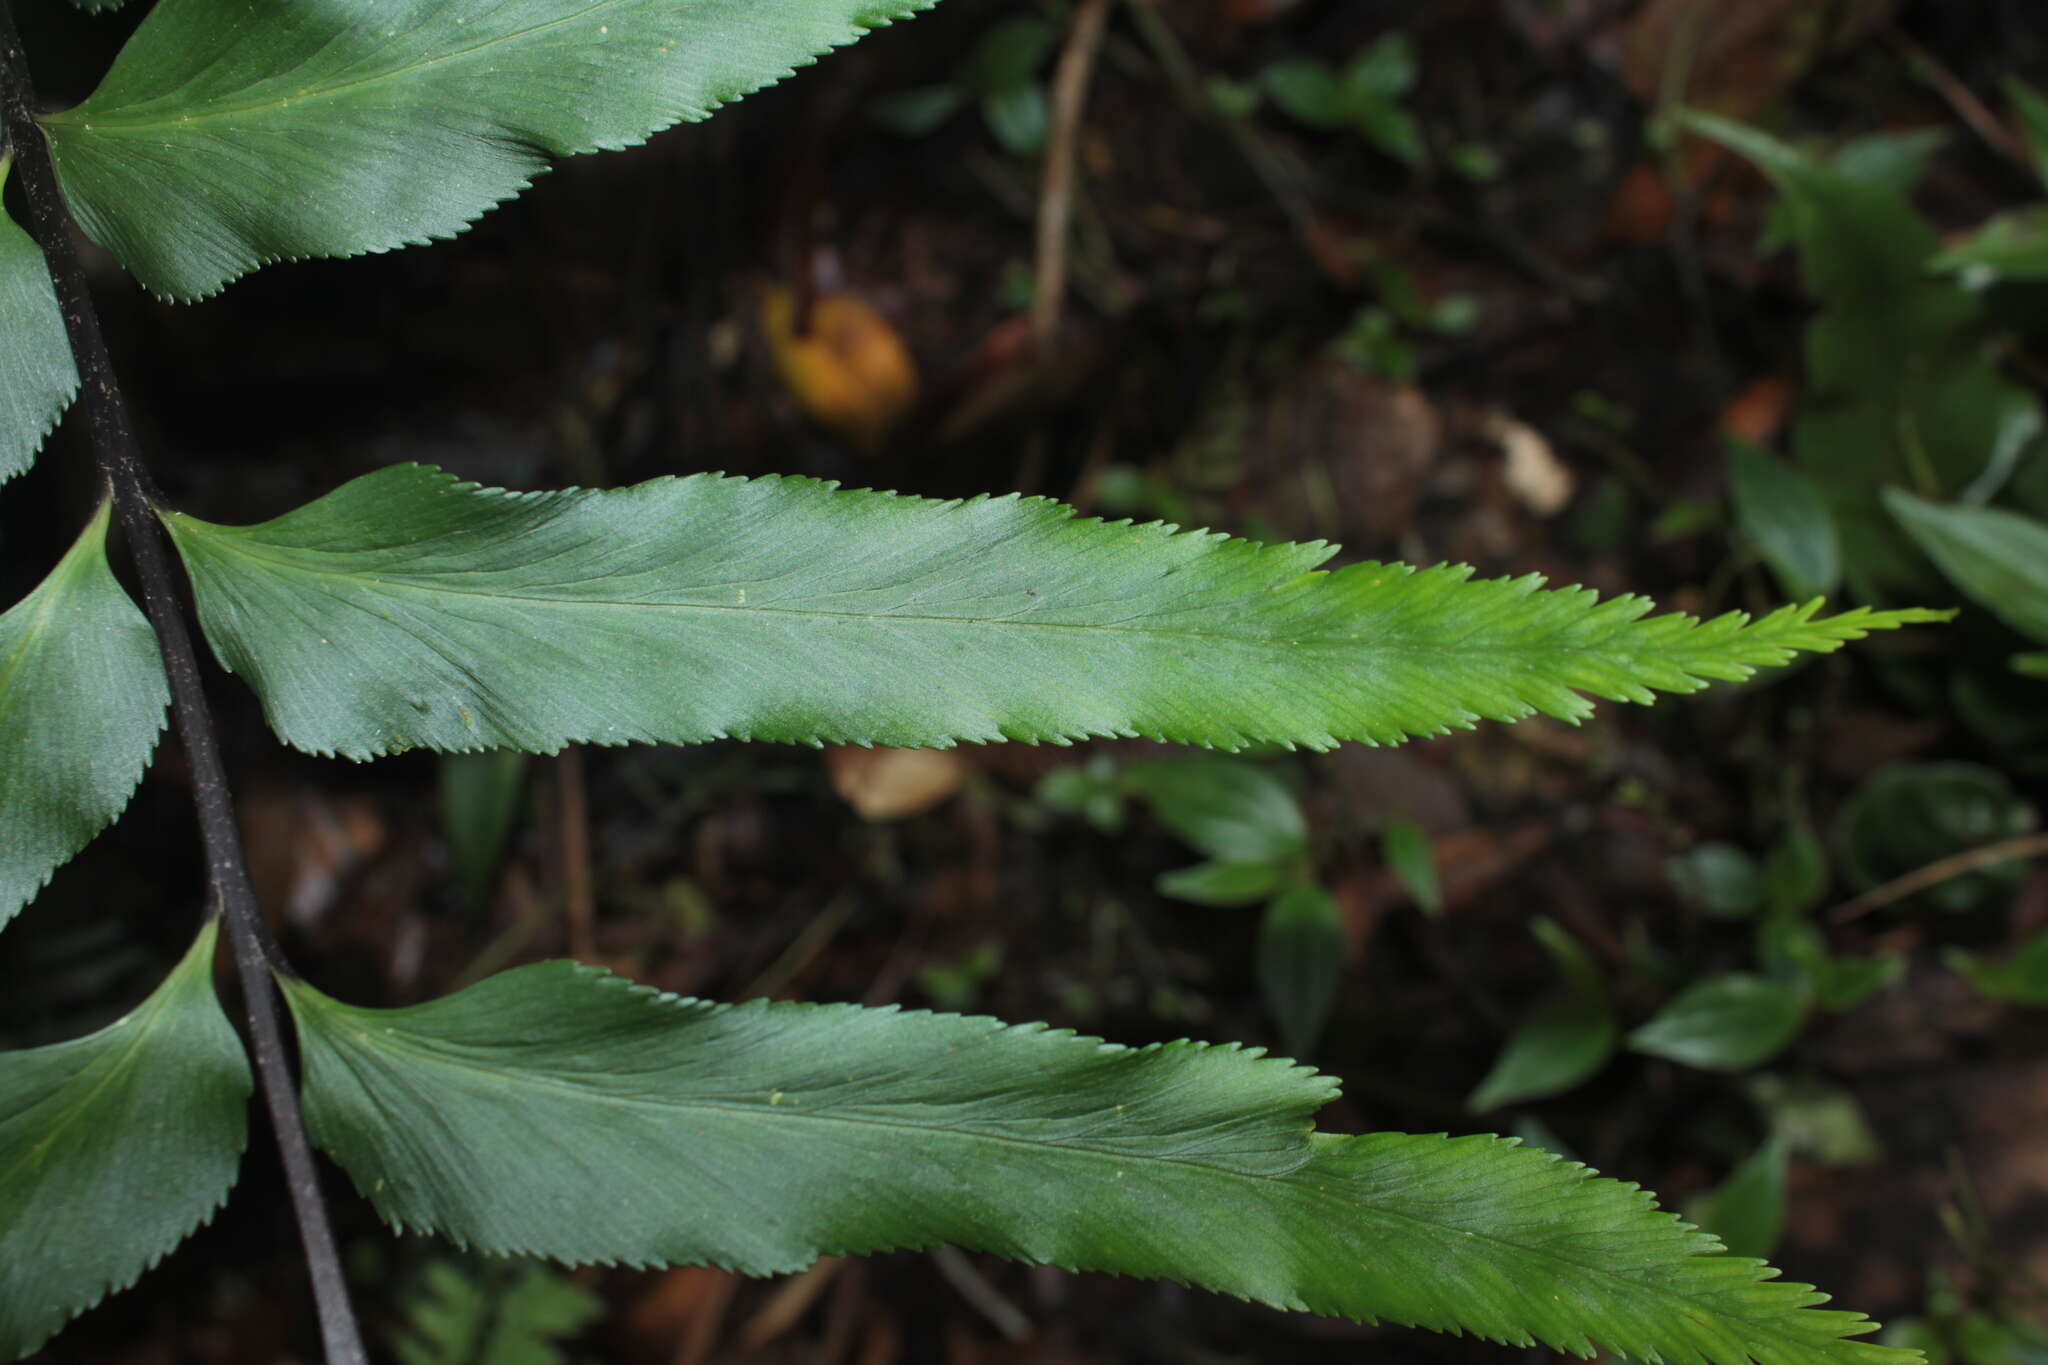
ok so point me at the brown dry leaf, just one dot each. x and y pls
(889, 784)
(1734, 59)
(1759, 412)
(849, 370)
(1534, 474)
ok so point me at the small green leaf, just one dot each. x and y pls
(2010, 246)
(1392, 129)
(1008, 55)
(1903, 387)
(1382, 72)
(37, 378)
(82, 697)
(504, 1314)
(1306, 90)
(2021, 978)
(1748, 1211)
(113, 1148)
(1998, 558)
(407, 609)
(1566, 1039)
(1725, 1023)
(1847, 981)
(479, 805)
(1092, 790)
(221, 141)
(1239, 882)
(1405, 847)
(556, 1110)
(1228, 808)
(1912, 814)
(1719, 878)
(1818, 1120)
(918, 112)
(1795, 872)
(1779, 510)
(1017, 118)
(1301, 964)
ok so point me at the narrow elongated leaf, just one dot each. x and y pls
(113, 1148)
(408, 609)
(37, 378)
(82, 698)
(1999, 558)
(561, 1111)
(226, 137)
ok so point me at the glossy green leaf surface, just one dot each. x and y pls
(37, 378)
(229, 136)
(1725, 1023)
(1780, 511)
(82, 697)
(1564, 1040)
(1999, 558)
(558, 1110)
(408, 609)
(113, 1148)
(1225, 884)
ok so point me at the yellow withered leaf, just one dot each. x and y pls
(848, 370)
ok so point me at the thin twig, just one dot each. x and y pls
(1056, 199)
(1941, 870)
(117, 455)
(1180, 71)
(1962, 99)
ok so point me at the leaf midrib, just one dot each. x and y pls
(412, 1043)
(392, 587)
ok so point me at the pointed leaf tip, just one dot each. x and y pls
(558, 1111)
(407, 609)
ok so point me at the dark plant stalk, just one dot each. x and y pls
(123, 473)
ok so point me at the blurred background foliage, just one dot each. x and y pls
(1723, 303)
